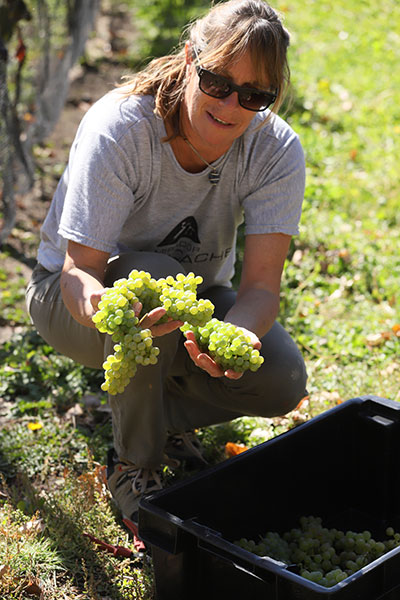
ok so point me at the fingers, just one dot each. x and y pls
(204, 360)
(95, 298)
(149, 321)
(231, 374)
(253, 338)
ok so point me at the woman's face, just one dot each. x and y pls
(212, 124)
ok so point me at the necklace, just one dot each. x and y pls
(214, 175)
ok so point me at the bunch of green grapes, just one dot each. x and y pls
(324, 556)
(146, 288)
(115, 313)
(177, 295)
(179, 299)
(227, 344)
(133, 345)
(135, 348)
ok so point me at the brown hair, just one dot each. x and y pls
(223, 35)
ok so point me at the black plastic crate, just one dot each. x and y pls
(342, 466)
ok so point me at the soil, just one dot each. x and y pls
(102, 69)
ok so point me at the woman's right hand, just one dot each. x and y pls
(95, 298)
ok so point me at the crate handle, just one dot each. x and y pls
(242, 562)
(382, 410)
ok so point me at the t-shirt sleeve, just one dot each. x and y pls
(274, 201)
(100, 193)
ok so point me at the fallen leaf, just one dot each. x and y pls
(298, 417)
(232, 449)
(3, 570)
(94, 480)
(33, 588)
(75, 411)
(353, 154)
(35, 525)
(302, 402)
(374, 339)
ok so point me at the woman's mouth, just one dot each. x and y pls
(219, 121)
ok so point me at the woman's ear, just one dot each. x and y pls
(188, 53)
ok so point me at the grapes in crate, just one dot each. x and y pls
(324, 556)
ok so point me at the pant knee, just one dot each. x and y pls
(291, 394)
(279, 389)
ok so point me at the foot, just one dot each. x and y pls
(128, 482)
(185, 447)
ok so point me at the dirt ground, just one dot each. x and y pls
(103, 68)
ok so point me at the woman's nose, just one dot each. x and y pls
(231, 101)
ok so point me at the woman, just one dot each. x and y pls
(161, 173)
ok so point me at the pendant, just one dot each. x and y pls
(214, 176)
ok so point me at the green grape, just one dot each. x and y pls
(227, 344)
(179, 299)
(319, 552)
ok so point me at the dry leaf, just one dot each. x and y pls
(303, 402)
(33, 588)
(3, 570)
(232, 449)
(396, 329)
(94, 481)
(35, 525)
(375, 339)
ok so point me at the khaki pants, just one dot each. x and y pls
(174, 395)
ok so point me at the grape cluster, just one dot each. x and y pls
(133, 345)
(227, 344)
(179, 299)
(324, 556)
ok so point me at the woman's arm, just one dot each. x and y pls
(82, 281)
(82, 287)
(257, 303)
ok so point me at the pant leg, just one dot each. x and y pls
(138, 418)
(56, 325)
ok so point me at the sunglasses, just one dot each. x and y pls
(218, 86)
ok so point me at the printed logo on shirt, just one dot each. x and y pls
(187, 228)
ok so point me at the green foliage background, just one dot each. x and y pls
(340, 294)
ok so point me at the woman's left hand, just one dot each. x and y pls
(149, 321)
(204, 360)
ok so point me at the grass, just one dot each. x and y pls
(340, 300)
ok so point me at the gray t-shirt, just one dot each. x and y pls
(124, 189)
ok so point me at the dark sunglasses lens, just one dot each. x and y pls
(255, 100)
(214, 85)
(218, 87)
